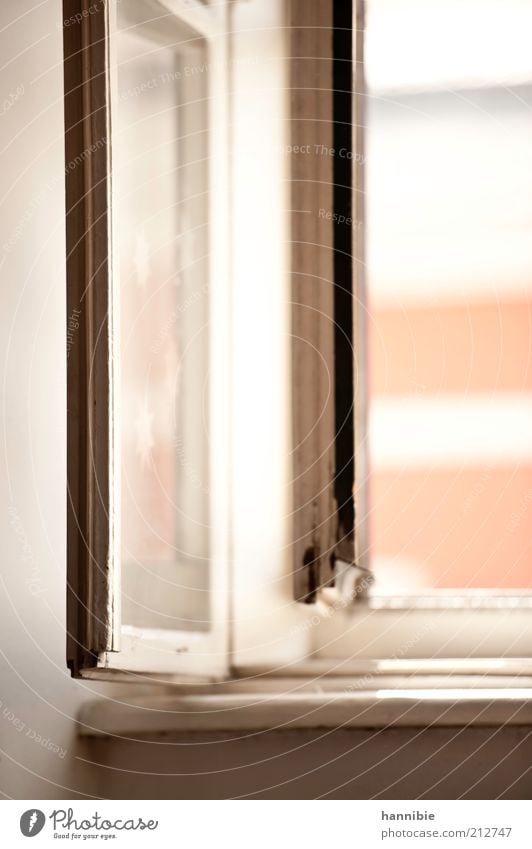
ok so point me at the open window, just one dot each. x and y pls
(147, 99)
(232, 256)
(204, 425)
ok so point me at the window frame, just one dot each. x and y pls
(97, 642)
(92, 591)
(333, 628)
(312, 267)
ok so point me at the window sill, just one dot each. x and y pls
(310, 697)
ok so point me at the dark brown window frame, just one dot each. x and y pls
(328, 285)
(92, 599)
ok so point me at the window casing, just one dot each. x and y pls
(249, 343)
(264, 468)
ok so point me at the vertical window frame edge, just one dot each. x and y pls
(93, 602)
(360, 301)
(99, 646)
(329, 439)
(312, 296)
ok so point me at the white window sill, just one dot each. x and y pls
(442, 694)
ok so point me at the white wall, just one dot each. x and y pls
(37, 694)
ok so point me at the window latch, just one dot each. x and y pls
(351, 582)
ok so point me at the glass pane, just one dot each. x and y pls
(160, 168)
(449, 200)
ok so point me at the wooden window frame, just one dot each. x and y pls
(96, 640)
(97, 643)
(329, 314)
(312, 260)
(92, 581)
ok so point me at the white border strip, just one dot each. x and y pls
(449, 431)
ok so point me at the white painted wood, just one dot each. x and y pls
(402, 670)
(265, 614)
(422, 633)
(348, 708)
(198, 16)
(199, 653)
(452, 599)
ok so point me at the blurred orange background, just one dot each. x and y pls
(449, 270)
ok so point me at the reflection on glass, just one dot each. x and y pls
(160, 168)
